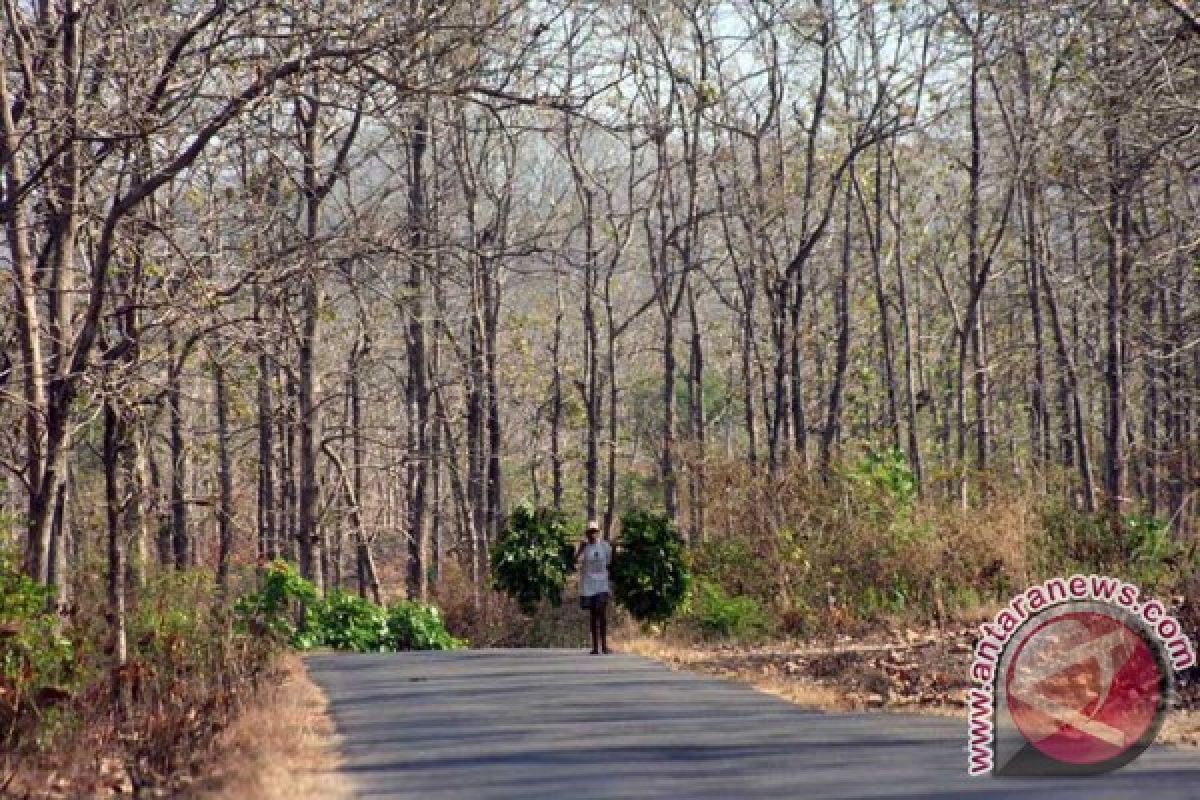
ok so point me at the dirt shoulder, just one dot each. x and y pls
(908, 670)
(283, 748)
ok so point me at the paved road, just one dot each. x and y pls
(551, 724)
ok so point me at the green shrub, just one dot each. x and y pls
(348, 622)
(272, 609)
(1153, 553)
(740, 565)
(34, 653)
(896, 596)
(533, 557)
(717, 615)
(413, 626)
(1143, 550)
(1074, 540)
(649, 575)
(886, 475)
(342, 620)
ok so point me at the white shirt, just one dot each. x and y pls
(596, 558)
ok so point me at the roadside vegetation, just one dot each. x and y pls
(196, 663)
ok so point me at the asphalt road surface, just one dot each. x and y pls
(542, 724)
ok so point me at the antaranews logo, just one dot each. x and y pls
(1073, 677)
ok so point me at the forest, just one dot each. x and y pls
(887, 306)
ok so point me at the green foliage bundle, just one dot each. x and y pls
(289, 607)
(1151, 549)
(717, 615)
(534, 556)
(650, 575)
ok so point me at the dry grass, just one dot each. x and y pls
(282, 748)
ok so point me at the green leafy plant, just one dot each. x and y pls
(342, 620)
(36, 660)
(1151, 550)
(348, 622)
(887, 473)
(717, 615)
(414, 626)
(649, 575)
(738, 564)
(271, 610)
(534, 555)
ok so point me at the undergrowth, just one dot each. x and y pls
(865, 547)
(187, 671)
(194, 662)
(288, 608)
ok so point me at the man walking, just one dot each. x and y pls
(593, 585)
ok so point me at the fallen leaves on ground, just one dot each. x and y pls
(898, 669)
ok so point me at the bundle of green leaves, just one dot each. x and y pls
(534, 556)
(650, 574)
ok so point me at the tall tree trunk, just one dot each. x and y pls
(418, 389)
(476, 439)
(911, 342)
(1114, 374)
(556, 397)
(610, 481)
(983, 389)
(440, 444)
(970, 335)
(591, 357)
(362, 556)
(29, 337)
(841, 305)
(138, 491)
(59, 542)
(1174, 331)
(288, 532)
(778, 409)
(308, 411)
(667, 456)
(799, 418)
(747, 353)
(224, 476)
(892, 415)
(181, 544)
(697, 422)
(113, 435)
(268, 545)
(1039, 407)
(1067, 359)
(495, 489)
